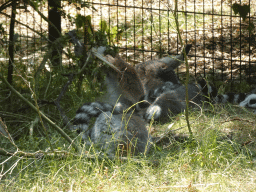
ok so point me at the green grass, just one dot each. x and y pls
(220, 158)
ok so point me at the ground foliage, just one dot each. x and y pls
(220, 158)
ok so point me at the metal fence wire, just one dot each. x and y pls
(221, 31)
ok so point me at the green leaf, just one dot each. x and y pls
(81, 20)
(103, 25)
(114, 31)
(242, 10)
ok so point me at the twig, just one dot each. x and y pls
(3, 128)
(188, 186)
(164, 134)
(66, 120)
(169, 130)
(65, 87)
(11, 168)
(56, 127)
(32, 4)
(5, 133)
(38, 111)
(41, 66)
(187, 68)
(102, 58)
(63, 154)
(5, 5)
(237, 119)
(23, 168)
(85, 64)
(31, 127)
(170, 126)
(18, 22)
(56, 43)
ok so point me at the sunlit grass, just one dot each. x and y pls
(220, 158)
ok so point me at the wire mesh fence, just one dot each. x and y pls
(222, 36)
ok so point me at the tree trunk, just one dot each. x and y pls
(11, 42)
(54, 17)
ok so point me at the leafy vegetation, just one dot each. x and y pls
(221, 157)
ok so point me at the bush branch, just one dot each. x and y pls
(56, 127)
